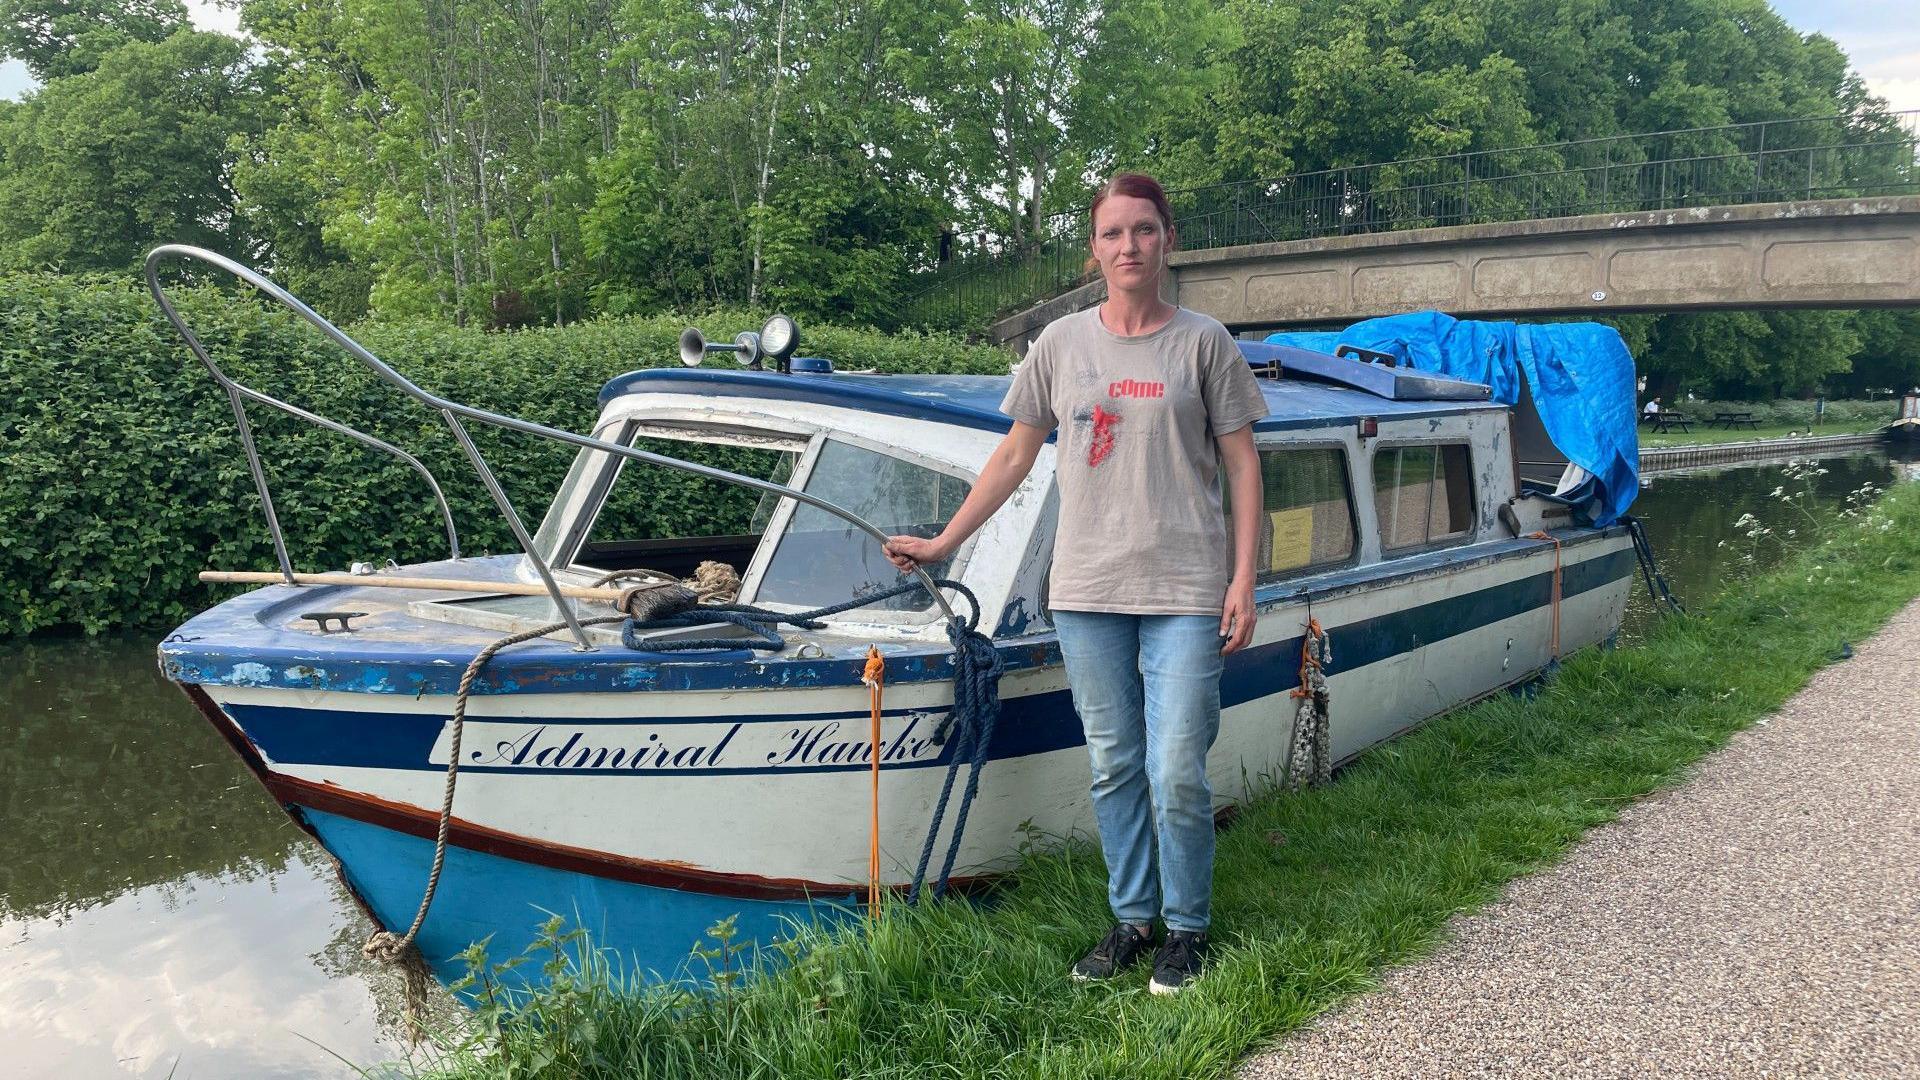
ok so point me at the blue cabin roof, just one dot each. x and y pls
(973, 401)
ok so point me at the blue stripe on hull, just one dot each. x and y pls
(651, 930)
(1030, 724)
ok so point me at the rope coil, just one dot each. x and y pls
(976, 709)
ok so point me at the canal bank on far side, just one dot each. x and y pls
(1757, 920)
(1657, 458)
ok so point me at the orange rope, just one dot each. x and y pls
(1554, 641)
(1309, 659)
(874, 676)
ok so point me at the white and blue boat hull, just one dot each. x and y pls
(645, 797)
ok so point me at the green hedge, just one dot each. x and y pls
(121, 476)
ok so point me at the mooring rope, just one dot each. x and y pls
(1553, 640)
(977, 668)
(875, 676)
(400, 949)
(976, 709)
(1309, 749)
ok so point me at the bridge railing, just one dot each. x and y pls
(1869, 153)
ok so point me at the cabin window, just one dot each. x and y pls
(1307, 507)
(1422, 494)
(821, 559)
(669, 520)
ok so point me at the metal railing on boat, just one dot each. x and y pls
(452, 412)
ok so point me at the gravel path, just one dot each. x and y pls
(1762, 919)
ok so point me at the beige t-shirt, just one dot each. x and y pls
(1141, 526)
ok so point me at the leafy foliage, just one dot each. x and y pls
(550, 160)
(125, 478)
(56, 38)
(96, 168)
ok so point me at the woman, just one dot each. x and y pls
(1147, 595)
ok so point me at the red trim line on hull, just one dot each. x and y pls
(400, 817)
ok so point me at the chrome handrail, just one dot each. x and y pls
(452, 411)
(236, 390)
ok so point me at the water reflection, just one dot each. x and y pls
(1689, 511)
(158, 915)
(112, 783)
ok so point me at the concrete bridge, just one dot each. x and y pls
(1853, 252)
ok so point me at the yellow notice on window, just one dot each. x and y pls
(1292, 538)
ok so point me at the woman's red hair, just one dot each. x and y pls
(1139, 186)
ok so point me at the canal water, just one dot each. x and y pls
(159, 917)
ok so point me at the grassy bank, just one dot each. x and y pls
(1701, 435)
(1315, 893)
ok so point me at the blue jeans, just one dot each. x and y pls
(1147, 688)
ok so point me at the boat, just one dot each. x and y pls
(1906, 427)
(647, 793)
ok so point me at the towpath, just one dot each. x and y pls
(1760, 919)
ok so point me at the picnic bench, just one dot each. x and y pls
(1729, 420)
(1664, 422)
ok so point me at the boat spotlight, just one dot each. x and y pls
(780, 337)
(694, 348)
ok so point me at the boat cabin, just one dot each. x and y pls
(1361, 464)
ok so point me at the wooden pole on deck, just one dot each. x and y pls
(391, 581)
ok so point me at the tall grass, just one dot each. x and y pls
(1315, 892)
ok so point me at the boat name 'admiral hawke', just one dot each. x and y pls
(691, 748)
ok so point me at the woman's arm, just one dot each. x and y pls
(1243, 484)
(1009, 464)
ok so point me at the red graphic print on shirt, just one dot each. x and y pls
(1102, 444)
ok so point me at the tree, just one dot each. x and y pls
(1889, 358)
(1041, 96)
(1749, 355)
(57, 38)
(770, 153)
(449, 144)
(98, 167)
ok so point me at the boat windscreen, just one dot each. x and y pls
(821, 560)
(657, 518)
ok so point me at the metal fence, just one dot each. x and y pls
(1868, 153)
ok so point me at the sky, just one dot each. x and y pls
(1881, 36)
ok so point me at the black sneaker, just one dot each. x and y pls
(1178, 962)
(1120, 948)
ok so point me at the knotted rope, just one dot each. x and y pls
(715, 582)
(1309, 752)
(976, 709)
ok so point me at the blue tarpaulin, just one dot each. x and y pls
(1580, 374)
